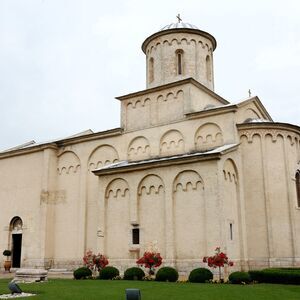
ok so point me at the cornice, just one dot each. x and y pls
(156, 164)
(60, 143)
(269, 125)
(174, 84)
(179, 30)
(212, 112)
(28, 150)
(164, 162)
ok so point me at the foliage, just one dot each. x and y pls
(239, 277)
(200, 275)
(167, 274)
(219, 260)
(95, 262)
(277, 275)
(150, 260)
(82, 273)
(134, 273)
(108, 273)
(7, 253)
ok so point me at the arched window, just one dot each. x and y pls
(298, 187)
(179, 58)
(208, 68)
(151, 69)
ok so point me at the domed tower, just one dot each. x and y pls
(179, 50)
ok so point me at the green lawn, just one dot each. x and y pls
(59, 289)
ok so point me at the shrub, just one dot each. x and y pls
(239, 277)
(7, 253)
(134, 273)
(108, 273)
(167, 274)
(277, 275)
(200, 275)
(82, 273)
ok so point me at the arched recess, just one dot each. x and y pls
(171, 143)
(68, 163)
(208, 136)
(170, 107)
(189, 215)
(139, 148)
(16, 231)
(151, 210)
(67, 200)
(102, 156)
(231, 206)
(117, 223)
(297, 177)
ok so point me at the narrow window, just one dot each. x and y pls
(179, 55)
(151, 69)
(298, 187)
(135, 236)
(208, 68)
(231, 232)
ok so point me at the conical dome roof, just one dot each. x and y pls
(179, 25)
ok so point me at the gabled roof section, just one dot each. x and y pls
(256, 101)
(174, 84)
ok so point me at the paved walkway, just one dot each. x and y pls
(65, 275)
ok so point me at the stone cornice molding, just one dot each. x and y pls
(61, 143)
(266, 128)
(164, 162)
(171, 85)
(28, 150)
(179, 30)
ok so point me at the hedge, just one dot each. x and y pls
(277, 275)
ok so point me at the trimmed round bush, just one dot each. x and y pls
(239, 277)
(134, 273)
(200, 275)
(82, 273)
(167, 274)
(108, 273)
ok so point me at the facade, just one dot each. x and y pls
(187, 170)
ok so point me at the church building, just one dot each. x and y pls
(187, 170)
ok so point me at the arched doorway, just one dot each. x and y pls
(16, 229)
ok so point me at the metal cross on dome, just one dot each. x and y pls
(179, 19)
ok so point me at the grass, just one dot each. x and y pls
(65, 289)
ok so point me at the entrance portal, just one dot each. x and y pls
(16, 250)
(16, 230)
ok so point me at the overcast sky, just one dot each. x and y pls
(63, 62)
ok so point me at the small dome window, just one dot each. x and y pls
(151, 69)
(179, 59)
(297, 177)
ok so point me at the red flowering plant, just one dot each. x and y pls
(150, 260)
(95, 262)
(219, 260)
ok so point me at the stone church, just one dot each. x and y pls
(187, 170)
